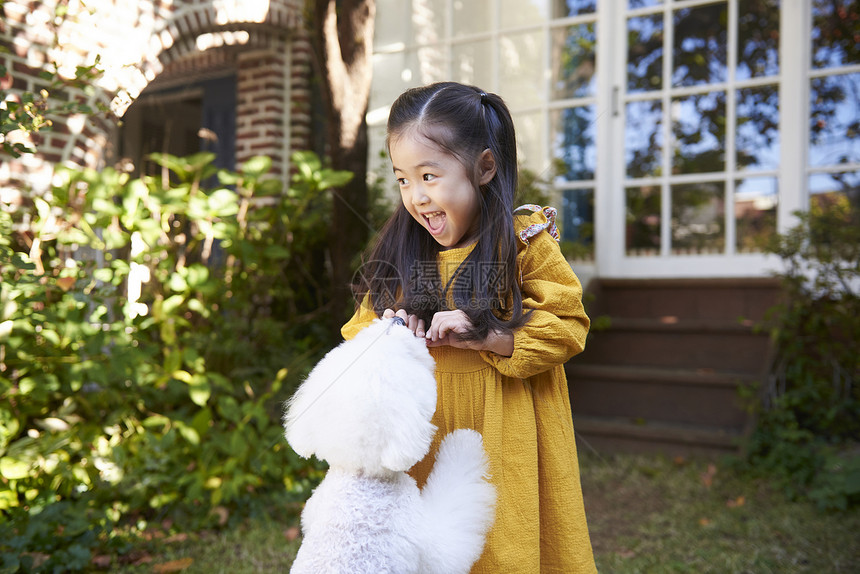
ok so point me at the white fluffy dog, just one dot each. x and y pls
(366, 410)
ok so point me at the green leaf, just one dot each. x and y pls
(197, 306)
(172, 303)
(188, 433)
(196, 275)
(5, 329)
(257, 166)
(330, 178)
(223, 203)
(200, 393)
(163, 499)
(228, 177)
(105, 275)
(13, 469)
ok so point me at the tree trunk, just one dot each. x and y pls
(342, 32)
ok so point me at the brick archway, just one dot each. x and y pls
(145, 42)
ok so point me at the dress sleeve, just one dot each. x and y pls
(558, 325)
(363, 317)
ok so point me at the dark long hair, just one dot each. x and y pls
(400, 269)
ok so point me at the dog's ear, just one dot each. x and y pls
(299, 427)
(407, 446)
(411, 400)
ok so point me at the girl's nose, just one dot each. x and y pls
(418, 196)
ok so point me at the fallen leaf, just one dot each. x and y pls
(735, 502)
(179, 537)
(143, 558)
(704, 521)
(679, 460)
(626, 553)
(39, 558)
(101, 561)
(708, 475)
(291, 533)
(173, 565)
(223, 515)
(66, 283)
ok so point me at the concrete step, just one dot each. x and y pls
(678, 396)
(721, 299)
(681, 343)
(616, 434)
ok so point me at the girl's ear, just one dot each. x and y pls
(486, 167)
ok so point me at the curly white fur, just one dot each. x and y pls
(366, 410)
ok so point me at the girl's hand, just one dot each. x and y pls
(412, 321)
(447, 326)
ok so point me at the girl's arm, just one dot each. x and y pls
(363, 316)
(558, 325)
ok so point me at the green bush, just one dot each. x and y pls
(149, 332)
(808, 424)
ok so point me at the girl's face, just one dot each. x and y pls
(436, 190)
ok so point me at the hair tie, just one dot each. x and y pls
(484, 98)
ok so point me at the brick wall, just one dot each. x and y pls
(145, 43)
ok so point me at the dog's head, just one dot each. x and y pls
(367, 404)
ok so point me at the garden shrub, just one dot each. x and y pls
(150, 330)
(808, 427)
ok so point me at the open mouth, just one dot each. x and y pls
(435, 221)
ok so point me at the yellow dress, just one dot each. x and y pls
(520, 405)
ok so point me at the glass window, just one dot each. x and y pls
(642, 228)
(573, 61)
(391, 19)
(634, 4)
(531, 151)
(699, 133)
(698, 218)
(575, 142)
(643, 138)
(432, 64)
(394, 73)
(516, 13)
(565, 8)
(522, 72)
(472, 63)
(757, 143)
(756, 200)
(700, 45)
(835, 29)
(645, 53)
(758, 39)
(429, 21)
(471, 17)
(577, 223)
(834, 120)
(830, 189)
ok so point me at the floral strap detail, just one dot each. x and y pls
(532, 230)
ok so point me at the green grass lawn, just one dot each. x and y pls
(656, 515)
(647, 514)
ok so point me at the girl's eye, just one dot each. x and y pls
(429, 177)
(401, 181)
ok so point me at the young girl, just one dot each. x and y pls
(500, 309)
